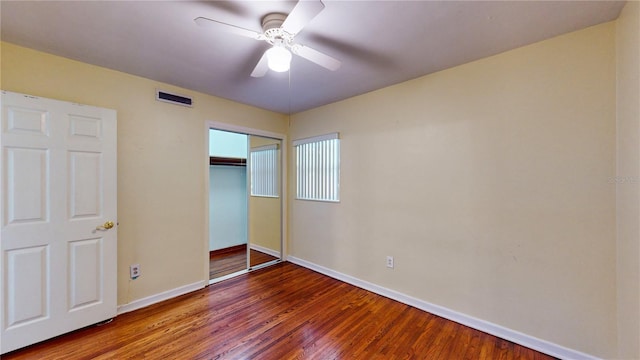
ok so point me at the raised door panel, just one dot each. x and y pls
(28, 297)
(85, 184)
(87, 127)
(27, 185)
(86, 273)
(26, 121)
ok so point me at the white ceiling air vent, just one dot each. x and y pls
(173, 98)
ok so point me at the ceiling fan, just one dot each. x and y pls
(279, 30)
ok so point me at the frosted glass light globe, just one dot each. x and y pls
(278, 59)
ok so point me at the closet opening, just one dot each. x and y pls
(245, 200)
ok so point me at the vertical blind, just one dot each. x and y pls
(318, 168)
(264, 171)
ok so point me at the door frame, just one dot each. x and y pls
(283, 187)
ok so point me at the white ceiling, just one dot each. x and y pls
(379, 42)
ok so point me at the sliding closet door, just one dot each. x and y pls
(265, 200)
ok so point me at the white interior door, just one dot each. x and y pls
(58, 181)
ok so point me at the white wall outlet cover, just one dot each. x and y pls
(134, 271)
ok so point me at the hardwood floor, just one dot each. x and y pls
(234, 259)
(279, 312)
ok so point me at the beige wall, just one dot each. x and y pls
(162, 161)
(628, 179)
(265, 213)
(488, 183)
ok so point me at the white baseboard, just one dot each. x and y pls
(470, 321)
(166, 295)
(265, 250)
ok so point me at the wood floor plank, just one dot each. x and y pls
(280, 312)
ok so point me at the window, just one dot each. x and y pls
(264, 171)
(318, 168)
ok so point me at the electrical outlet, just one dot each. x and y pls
(390, 262)
(134, 271)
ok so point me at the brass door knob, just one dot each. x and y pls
(106, 226)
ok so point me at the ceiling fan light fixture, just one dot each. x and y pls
(278, 59)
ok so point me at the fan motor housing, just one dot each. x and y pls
(273, 21)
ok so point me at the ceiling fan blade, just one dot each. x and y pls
(316, 56)
(261, 67)
(301, 15)
(232, 29)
